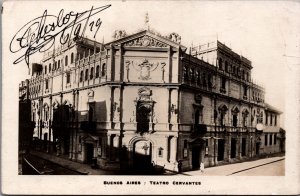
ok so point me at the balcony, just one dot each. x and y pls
(88, 126)
(200, 129)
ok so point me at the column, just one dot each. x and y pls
(173, 149)
(108, 147)
(116, 147)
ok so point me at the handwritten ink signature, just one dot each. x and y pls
(39, 34)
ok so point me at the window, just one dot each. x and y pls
(81, 76)
(68, 78)
(86, 75)
(45, 69)
(49, 67)
(223, 85)
(185, 73)
(55, 64)
(192, 75)
(247, 75)
(72, 58)
(220, 64)
(275, 123)
(97, 71)
(271, 120)
(160, 152)
(46, 84)
(266, 139)
(92, 73)
(275, 137)
(66, 61)
(58, 64)
(234, 120)
(209, 81)
(185, 148)
(204, 79)
(103, 73)
(267, 118)
(245, 91)
(226, 66)
(198, 77)
(271, 139)
(243, 75)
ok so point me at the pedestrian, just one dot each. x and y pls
(202, 167)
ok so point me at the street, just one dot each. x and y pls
(272, 169)
(273, 166)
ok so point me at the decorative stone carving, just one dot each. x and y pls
(118, 34)
(146, 41)
(175, 37)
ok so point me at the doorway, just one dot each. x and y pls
(221, 143)
(89, 153)
(233, 148)
(142, 156)
(196, 150)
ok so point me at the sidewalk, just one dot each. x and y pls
(230, 169)
(79, 167)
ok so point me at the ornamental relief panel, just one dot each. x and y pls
(145, 70)
(146, 41)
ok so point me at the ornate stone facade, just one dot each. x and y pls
(142, 100)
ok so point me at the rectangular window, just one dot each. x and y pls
(271, 139)
(266, 139)
(68, 78)
(46, 84)
(275, 137)
(185, 149)
(275, 123)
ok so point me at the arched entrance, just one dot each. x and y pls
(142, 156)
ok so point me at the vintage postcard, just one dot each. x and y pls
(150, 97)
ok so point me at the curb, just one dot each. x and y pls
(255, 166)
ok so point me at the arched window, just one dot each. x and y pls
(97, 71)
(49, 67)
(45, 69)
(58, 65)
(55, 64)
(81, 76)
(86, 74)
(72, 58)
(92, 73)
(66, 61)
(103, 72)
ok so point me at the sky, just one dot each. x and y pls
(266, 32)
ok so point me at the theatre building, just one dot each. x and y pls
(145, 99)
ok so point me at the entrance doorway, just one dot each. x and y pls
(257, 148)
(233, 148)
(243, 147)
(196, 150)
(89, 153)
(221, 143)
(142, 156)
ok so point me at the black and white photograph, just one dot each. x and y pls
(150, 97)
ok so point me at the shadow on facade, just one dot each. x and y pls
(82, 136)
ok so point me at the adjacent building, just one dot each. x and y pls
(145, 99)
